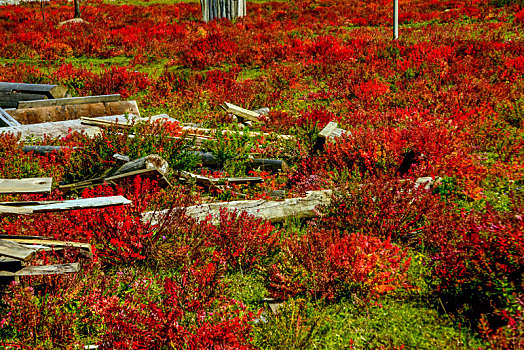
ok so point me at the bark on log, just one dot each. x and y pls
(274, 211)
(70, 112)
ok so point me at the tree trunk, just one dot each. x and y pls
(77, 9)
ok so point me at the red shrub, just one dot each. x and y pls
(331, 264)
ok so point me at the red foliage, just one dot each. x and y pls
(331, 264)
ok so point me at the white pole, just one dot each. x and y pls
(395, 19)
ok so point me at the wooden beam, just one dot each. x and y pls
(7, 120)
(242, 112)
(68, 101)
(25, 186)
(50, 243)
(16, 250)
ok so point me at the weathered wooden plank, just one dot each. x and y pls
(45, 149)
(7, 120)
(10, 99)
(29, 185)
(49, 243)
(51, 91)
(59, 129)
(8, 210)
(70, 112)
(274, 211)
(16, 250)
(242, 112)
(82, 203)
(69, 101)
(48, 269)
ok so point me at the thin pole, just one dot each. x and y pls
(395, 19)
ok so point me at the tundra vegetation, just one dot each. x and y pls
(384, 265)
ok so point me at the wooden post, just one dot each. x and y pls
(395, 19)
(229, 9)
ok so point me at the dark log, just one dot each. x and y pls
(152, 161)
(272, 165)
(44, 149)
(11, 99)
(50, 91)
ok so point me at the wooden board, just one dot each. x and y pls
(7, 120)
(50, 243)
(48, 269)
(82, 203)
(9, 210)
(69, 101)
(22, 186)
(16, 250)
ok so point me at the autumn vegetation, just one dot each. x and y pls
(386, 265)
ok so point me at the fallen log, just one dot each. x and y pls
(10, 99)
(70, 112)
(69, 101)
(12, 93)
(51, 91)
(25, 186)
(44, 149)
(274, 211)
(273, 165)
